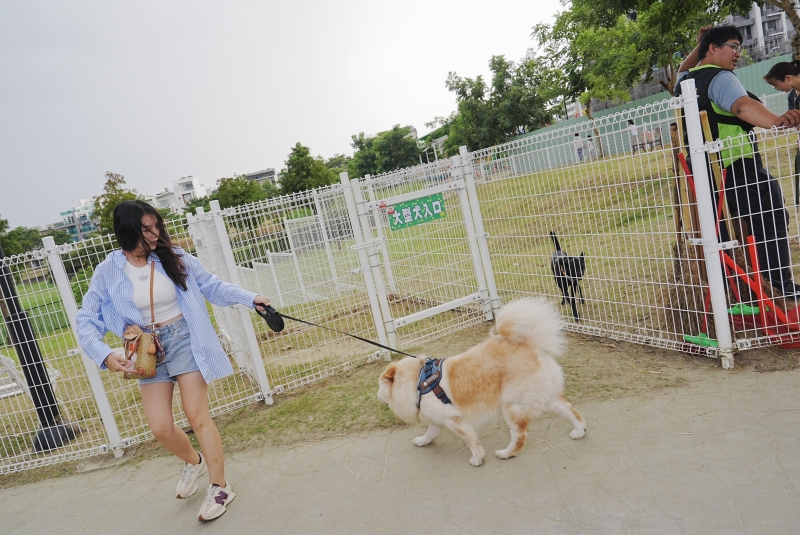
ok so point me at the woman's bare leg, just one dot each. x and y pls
(157, 401)
(194, 396)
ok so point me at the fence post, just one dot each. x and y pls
(708, 225)
(244, 313)
(206, 241)
(480, 232)
(92, 372)
(374, 261)
(378, 216)
(365, 269)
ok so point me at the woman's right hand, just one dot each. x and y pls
(118, 363)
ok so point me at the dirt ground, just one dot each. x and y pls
(599, 368)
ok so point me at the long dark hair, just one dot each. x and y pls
(128, 230)
(781, 70)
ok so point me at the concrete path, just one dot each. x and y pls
(719, 456)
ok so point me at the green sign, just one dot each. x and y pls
(410, 213)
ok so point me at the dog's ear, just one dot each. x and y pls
(389, 373)
(581, 254)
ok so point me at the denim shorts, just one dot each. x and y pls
(178, 357)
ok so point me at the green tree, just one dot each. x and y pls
(196, 202)
(338, 163)
(114, 192)
(614, 61)
(488, 114)
(239, 190)
(270, 189)
(614, 47)
(59, 236)
(28, 238)
(440, 128)
(395, 149)
(364, 161)
(303, 172)
(23, 239)
(10, 244)
(387, 151)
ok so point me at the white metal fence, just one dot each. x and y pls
(405, 257)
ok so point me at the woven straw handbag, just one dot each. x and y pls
(143, 348)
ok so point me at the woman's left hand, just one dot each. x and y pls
(261, 300)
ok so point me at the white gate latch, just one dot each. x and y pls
(713, 245)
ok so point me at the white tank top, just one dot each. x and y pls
(165, 298)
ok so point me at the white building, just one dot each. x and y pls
(163, 199)
(187, 188)
(766, 30)
(78, 220)
(265, 175)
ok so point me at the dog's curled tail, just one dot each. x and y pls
(534, 321)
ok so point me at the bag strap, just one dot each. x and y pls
(152, 306)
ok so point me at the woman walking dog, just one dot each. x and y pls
(121, 294)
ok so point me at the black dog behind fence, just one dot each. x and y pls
(568, 273)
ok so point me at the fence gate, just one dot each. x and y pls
(422, 249)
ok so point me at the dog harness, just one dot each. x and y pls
(429, 377)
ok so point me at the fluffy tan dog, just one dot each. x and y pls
(514, 373)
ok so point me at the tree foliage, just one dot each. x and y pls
(239, 190)
(193, 204)
(23, 239)
(338, 163)
(599, 49)
(304, 172)
(18, 240)
(387, 151)
(364, 161)
(60, 237)
(114, 192)
(673, 12)
(395, 149)
(270, 189)
(489, 113)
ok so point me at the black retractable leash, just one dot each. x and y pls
(274, 320)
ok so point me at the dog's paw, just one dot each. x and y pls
(575, 434)
(476, 461)
(421, 441)
(503, 454)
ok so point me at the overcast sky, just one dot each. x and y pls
(160, 90)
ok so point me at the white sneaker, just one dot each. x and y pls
(187, 486)
(217, 498)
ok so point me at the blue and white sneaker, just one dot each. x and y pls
(215, 504)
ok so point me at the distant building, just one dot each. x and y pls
(265, 175)
(185, 189)
(766, 31)
(164, 199)
(77, 221)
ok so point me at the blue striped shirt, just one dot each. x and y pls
(108, 307)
